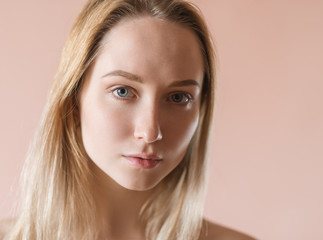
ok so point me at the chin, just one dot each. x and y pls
(138, 185)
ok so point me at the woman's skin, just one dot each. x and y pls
(139, 108)
(142, 97)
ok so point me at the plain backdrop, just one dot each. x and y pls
(266, 161)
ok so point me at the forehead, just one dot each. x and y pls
(149, 45)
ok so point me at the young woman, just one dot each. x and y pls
(121, 151)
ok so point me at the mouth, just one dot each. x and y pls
(145, 161)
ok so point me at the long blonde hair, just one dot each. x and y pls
(57, 201)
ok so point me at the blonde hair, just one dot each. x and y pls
(57, 201)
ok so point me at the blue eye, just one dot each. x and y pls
(177, 98)
(123, 92)
(180, 98)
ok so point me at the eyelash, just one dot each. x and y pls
(188, 97)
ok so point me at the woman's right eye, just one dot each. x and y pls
(123, 93)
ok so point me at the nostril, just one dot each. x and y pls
(147, 126)
(147, 134)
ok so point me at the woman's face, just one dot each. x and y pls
(139, 105)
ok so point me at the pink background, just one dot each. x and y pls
(266, 173)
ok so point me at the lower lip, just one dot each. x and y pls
(143, 163)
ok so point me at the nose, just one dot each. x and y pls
(147, 126)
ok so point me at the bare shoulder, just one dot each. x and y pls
(5, 227)
(213, 231)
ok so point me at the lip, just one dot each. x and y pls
(142, 160)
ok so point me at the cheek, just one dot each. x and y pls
(180, 128)
(103, 128)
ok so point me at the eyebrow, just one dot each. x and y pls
(136, 78)
(124, 74)
(187, 82)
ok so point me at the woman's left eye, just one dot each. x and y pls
(180, 98)
(123, 92)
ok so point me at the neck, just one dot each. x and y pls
(118, 208)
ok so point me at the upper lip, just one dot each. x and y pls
(144, 156)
